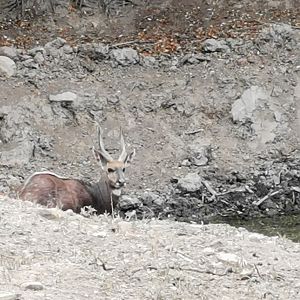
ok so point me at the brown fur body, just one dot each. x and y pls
(53, 191)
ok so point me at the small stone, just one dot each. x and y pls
(125, 56)
(30, 63)
(277, 91)
(63, 97)
(193, 60)
(212, 45)
(34, 285)
(57, 43)
(228, 258)
(36, 50)
(149, 198)
(68, 49)
(200, 153)
(208, 251)
(9, 296)
(256, 237)
(100, 234)
(7, 66)
(49, 213)
(39, 58)
(149, 61)
(10, 52)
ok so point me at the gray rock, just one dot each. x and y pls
(55, 48)
(192, 182)
(128, 202)
(243, 108)
(57, 44)
(36, 50)
(89, 104)
(9, 296)
(88, 64)
(277, 91)
(149, 198)
(125, 56)
(12, 181)
(10, 52)
(149, 61)
(63, 97)
(95, 51)
(229, 258)
(277, 33)
(7, 66)
(192, 59)
(53, 52)
(67, 49)
(199, 154)
(13, 120)
(39, 58)
(212, 45)
(30, 63)
(49, 213)
(101, 50)
(34, 285)
(24, 57)
(16, 155)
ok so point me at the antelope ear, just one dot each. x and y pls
(129, 158)
(101, 158)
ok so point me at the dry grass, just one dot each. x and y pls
(75, 257)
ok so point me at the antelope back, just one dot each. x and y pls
(52, 190)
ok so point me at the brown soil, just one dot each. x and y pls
(162, 26)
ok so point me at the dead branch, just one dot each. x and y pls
(259, 202)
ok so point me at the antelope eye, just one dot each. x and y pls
(110, 170)
(123, 170)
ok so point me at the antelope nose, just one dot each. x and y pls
(121, 181)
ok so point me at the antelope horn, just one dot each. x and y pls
(106, 155)
(124, 153)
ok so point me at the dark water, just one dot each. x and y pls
(286, 226)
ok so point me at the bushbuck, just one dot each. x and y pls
(52, 190)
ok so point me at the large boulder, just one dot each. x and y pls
(7, 66)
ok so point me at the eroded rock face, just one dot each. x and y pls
(264, 112)
(16, 155)
(252, 99)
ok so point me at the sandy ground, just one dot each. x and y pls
(50, 254)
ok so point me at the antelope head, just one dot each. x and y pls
(115, 169)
